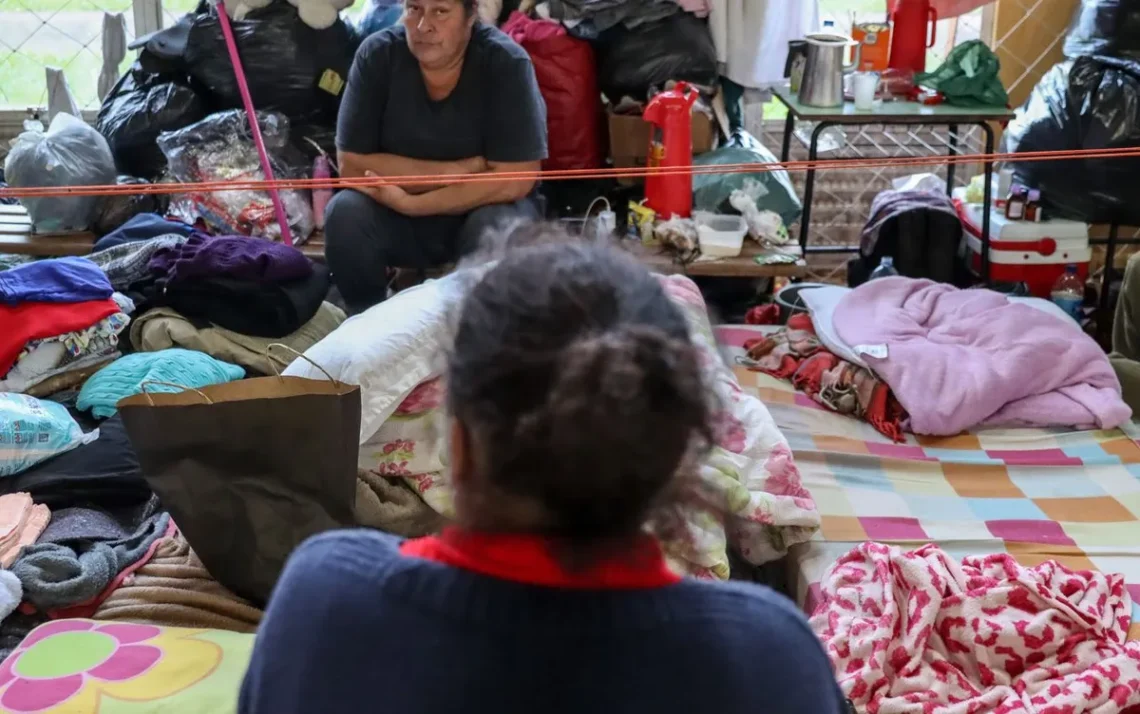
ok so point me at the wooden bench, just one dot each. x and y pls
(16, 237)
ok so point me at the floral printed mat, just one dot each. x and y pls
(84, 667)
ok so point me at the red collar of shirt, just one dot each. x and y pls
(530, 559)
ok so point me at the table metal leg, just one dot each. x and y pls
(809, 184)
(952, 167)
(987, 200)
(789, 129)
(1103, 319)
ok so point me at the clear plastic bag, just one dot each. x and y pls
(220, 148)
(69, 153)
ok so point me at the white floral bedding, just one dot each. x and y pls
(751, 466)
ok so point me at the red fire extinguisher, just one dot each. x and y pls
(909, 22)
(670, 115)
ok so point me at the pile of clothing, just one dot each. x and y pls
(249, 287)
(69, 561)
(59, 320)
(229, 297)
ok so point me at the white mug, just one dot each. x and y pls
(865, 85)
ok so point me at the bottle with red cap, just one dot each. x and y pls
(1069, 292)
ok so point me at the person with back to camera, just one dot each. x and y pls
(578, 415)
(441, 94)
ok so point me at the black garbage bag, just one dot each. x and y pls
(291, 68)
(1087, 103)
(141, 106)
(679, 47)
(1104, 27)
(113, 211)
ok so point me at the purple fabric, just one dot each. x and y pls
(957, 359)
(237, 257)
(892, 204)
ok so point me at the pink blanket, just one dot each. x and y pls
(957, 359)
(919, 633)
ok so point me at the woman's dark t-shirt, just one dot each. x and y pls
(495, 111)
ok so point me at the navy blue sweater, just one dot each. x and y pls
(354, 626)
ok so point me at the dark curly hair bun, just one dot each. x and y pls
(576, 378)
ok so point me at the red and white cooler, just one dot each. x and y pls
(1024, 251)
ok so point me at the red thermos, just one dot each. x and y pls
(909, 22)
(671, 145)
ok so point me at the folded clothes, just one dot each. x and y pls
(21, 522)
(125, 377)
(70, 572)
(141, 228)
(249, 308)
(173, 589)
(55, 280)
(163, 328)
(237, 257)
(20, 324)
(127, 263)
(67, 374)
(49, 356)
(796, 353)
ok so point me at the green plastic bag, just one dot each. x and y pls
(772, 190)
(968, 77)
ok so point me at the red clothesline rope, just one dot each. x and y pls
(562, 175)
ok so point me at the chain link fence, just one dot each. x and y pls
(67, 35)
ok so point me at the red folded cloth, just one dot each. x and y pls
(20, 324)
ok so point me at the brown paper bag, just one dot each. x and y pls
(249, 469)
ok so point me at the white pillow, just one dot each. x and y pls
(821, 303)
(388, 349)
(1046, 306)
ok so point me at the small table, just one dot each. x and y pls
(893, 113)
(742, 266)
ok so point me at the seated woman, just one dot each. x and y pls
(578, 416)
(441, 95)
(1125, 356)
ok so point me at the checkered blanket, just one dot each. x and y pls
(1036, 494)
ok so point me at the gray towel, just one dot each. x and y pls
(56, 575)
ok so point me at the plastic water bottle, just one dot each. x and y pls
(886, 268)
(1069, 292)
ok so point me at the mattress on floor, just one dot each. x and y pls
(1033, 493)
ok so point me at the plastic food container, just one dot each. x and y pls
(721, 236)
